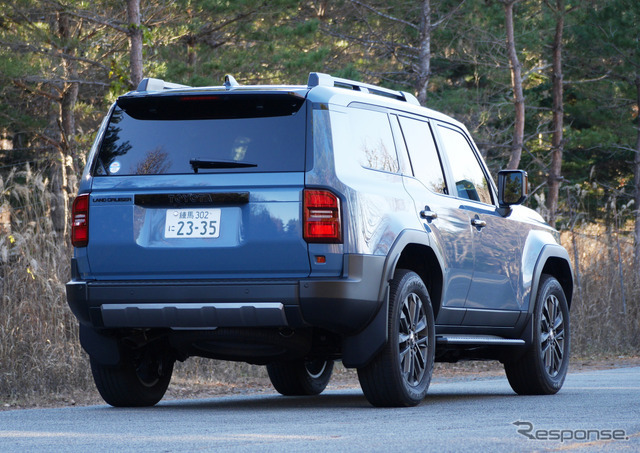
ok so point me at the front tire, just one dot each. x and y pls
(300, 377)
(399, 376)
(138, 381)
(543, 368)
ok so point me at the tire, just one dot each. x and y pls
(400, 374)
(136, 382)
(543, 368)
(300, 378)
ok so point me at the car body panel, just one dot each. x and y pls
(451, 235)
(127, 240)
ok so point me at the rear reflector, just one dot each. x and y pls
(80, 221)
(322, 218)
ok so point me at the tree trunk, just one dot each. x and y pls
(192, 57)
(516, 84)
(135, 41)
(64, 162)
(70, 163)
(636, 260)
(59, 201)
(557, 141)
(424, 61)
(69, 98)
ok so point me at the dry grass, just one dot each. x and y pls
(39, 348)
(40, 354)
(605, 313)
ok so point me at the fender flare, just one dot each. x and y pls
(404, 239)
(551, 252)
(548, 252)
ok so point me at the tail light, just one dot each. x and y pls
(322, 218)
(80, 221)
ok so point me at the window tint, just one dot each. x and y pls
(469, 178)
(424, 155)
(373, 140)
(199, 134)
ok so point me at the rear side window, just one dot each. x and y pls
(373, 140)
(203, 134)
(423, 153)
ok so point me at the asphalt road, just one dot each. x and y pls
(595, 410)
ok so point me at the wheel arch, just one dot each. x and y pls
(423, 261)
(413, 251)
(553, 260)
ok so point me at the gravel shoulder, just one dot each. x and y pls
(342, 379)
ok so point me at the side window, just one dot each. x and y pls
(423, 153)
(470, 180)
(373, 140)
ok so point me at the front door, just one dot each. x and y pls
(493, 298)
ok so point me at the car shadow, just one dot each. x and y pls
(330, 400)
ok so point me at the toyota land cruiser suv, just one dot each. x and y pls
(295, 226)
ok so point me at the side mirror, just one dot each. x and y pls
(513, 187)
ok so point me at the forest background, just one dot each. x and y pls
(549, 86)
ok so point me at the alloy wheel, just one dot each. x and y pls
(413, 339)
(552, 335)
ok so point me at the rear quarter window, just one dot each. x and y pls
(372, 140)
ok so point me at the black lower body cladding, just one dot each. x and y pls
(345, 306)
(342, 305)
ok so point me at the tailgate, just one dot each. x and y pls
(241, 225)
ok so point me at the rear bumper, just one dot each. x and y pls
(343, 305)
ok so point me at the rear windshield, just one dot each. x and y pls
(204, 134)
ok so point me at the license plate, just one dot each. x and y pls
(192, 223)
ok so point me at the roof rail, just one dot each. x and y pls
(320, 79)
(150, 84)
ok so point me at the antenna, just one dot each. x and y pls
(230, 83)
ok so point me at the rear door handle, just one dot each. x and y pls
(478, 223)
(427, 213)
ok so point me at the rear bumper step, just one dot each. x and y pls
(194, 315)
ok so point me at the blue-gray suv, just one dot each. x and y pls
(294, 226)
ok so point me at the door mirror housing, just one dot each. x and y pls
(513, 187)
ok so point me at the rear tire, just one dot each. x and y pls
(136, 382)
(399, 376)
(300, 378)
(543, 368)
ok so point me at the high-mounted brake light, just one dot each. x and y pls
(199, 98)
(322, 217)
(80, 221)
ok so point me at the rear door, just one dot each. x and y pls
(449, 226)
(200, 186)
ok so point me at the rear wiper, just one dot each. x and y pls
(196, 164)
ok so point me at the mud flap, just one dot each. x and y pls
(101, 348)
(358, 350)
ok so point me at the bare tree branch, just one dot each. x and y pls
(24, 47)
(386, 16)
(30, 89)
(448, 16)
